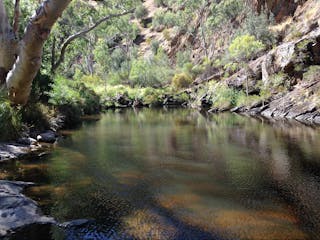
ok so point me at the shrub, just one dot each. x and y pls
(312, 74)
(224, 11)
(152, 72)
(166, 18)
(258, 25)
(182, 58)
(90, 100)
(166, 34)
(141, 12)
(64, 92)
(36, 116)
(10, 121)
(73, 99)
(181, 80)
(245, 47)
(155, 46)
(224, 97)
(279, 81)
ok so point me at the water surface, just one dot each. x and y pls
(179, 174)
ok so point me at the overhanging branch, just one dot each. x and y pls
(73, 37)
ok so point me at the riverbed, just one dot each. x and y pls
(177, 174)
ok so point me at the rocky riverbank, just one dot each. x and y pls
(27, 147)
(17, 210)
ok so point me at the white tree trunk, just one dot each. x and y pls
(28, 63)
(8, 45)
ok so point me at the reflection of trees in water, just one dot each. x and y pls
(184, 174)
(289, 153)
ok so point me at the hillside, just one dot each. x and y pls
(282, 80)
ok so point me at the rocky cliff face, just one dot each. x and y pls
(280, 8)
(293, 65)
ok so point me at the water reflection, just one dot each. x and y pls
(179, 174)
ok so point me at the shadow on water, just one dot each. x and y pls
(179, 174)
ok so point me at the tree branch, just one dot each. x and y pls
(73, 37)
(16, 18)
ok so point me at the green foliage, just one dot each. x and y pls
(257, 25)
(10, 121)
(224, 11)
(153, 72)
(224, 97)
(166, 18)
(79, 98)
(90, 100)
(154, 46)
(244, 100)
(181, 80)
(147, 96)
(64, 92)
(182, 58)
(279, 81)
(140, 12)
(245, 47)
(36, 116)
(312, 74)
(166, 34)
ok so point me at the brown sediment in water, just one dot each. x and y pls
(146, 224)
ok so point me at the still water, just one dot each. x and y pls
(179, 174)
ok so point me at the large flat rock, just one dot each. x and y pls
(13, 151)
(17, 210)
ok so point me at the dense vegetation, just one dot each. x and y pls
(120, 64)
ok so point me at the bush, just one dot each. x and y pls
(36, 116)
(225, 11)
(312, 74)
(245, 47)
(167, 19)
(141, 12)
(224, 97)
(73, 99)
(258, 25)
(279, 82)
(155, 46)
(152, 72)
(64, 92)
(90, 100)
(181, 80)
(10, 121)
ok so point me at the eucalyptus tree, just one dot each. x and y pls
(20, 59)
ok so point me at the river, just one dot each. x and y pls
(178, 174)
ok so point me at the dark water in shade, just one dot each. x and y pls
(177, 174)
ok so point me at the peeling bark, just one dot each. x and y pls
(8, 45)
(27, 65)
(16, 18)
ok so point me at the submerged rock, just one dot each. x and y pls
(16, 210)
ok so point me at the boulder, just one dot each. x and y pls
(300, 104)
(47, 137)
(16, 210)
(14, 151)
(27, 141)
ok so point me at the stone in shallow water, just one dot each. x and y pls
(16, 210)
(47, 137)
